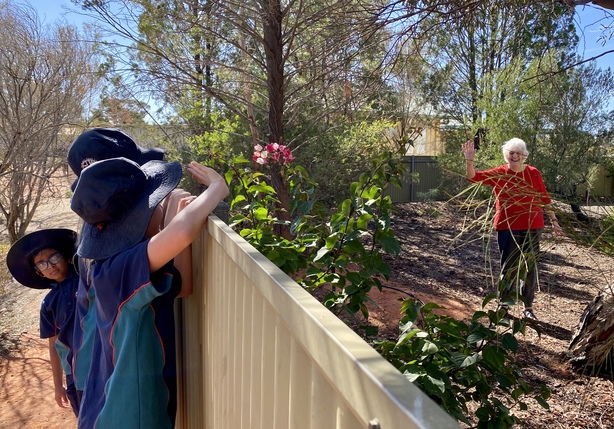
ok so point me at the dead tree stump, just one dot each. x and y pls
(591, 349)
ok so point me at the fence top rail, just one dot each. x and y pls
(375, 388)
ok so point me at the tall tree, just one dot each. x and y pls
(558, 114)
(45, 74)
(266, 61)
(116, 111)
(481, 38)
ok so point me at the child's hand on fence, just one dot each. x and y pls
(177, 201)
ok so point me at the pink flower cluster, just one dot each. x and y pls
(276, 152)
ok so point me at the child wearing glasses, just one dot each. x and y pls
(43, 260)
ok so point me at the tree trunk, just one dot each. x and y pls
(273, 41)
(591, 349)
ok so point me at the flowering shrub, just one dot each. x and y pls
(273, 151)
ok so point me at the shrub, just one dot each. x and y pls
(456, 363)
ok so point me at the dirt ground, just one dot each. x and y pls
(443, 260)
(446, 260)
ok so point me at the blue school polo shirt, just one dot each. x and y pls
(126, 386)
(85, 327)
(57, 315)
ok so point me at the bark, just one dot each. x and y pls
(591, 349)
(273, 43)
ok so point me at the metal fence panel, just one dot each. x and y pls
(261, 352)
(429, 179)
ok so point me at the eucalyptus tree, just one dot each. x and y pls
(479, 39)
(560, 115)
(46, 73)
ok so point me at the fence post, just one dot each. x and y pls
(222, 211)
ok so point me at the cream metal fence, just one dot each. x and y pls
(260, 352)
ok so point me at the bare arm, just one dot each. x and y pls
(177, 201)
(469, 152)
(556, 229)
(187, 224)
(58, 375)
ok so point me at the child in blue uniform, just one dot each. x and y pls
(131, 252)
(98, 144)
(42, 260)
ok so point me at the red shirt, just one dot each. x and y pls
(520, 197)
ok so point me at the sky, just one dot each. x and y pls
(52, 10)
(589, 20)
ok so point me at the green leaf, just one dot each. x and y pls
(488, 298)
(429, 348)
(412, 373)
(346, 208)
(478, 315)
(494, 355)
(482, 413)
(410, 333)
(544, 391)
(464, 361)
(353, 247)
(363, 221)
(504, 381)
(354, 277)
(411, 308)
(261, 213)
(369, 330)
(321, 253)
(262, 188)
(541, 401)
(509, 342)
(434, 385)
(351, 289)
(331, 241)
(430, 306)
(475, 338)
(389, 245)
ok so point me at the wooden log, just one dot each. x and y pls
(591, 349)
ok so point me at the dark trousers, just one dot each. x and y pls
(519, 252)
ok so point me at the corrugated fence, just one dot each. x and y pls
(260, 352)
(422, 178)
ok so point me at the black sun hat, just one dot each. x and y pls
(97, 144)
(116, 198)
(19, 256)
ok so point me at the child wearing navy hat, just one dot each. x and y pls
(97, 144)
(130, 252)
(43, 260)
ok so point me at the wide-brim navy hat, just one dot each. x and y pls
(97, 144)
(116, 198)
(20, 255)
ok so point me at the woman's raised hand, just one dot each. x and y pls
(468, 150)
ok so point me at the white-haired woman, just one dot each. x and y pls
(521, 198)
